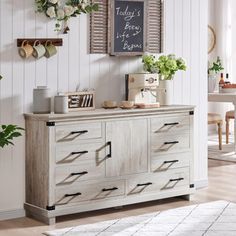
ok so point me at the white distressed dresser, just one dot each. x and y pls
(106, 158)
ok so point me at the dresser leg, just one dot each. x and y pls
(43, 219)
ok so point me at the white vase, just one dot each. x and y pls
(211, 83)
(165, 92)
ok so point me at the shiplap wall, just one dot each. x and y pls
(185, 34)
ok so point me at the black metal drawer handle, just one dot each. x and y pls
(79, 173)
(79, 132)
(168, 143)
(171, 124)
(175, 180)
(171, 162)
(109, 189)
(109, 155)
(77, 153)
(142, 185)
(73, 195)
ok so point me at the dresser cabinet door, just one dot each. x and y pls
(127, 144)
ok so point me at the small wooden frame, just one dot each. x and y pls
(81, 101)
(55, 41)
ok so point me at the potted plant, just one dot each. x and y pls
(9, 132)
(214, 69)
(166, 66)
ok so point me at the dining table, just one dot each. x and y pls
(227, 98)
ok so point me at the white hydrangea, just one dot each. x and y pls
(53, 1)
(60, 14)
(69, 10)
(51, 12)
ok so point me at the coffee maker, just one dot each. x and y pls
(142, 89)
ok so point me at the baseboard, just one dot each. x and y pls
(203, 183)
(12, 214)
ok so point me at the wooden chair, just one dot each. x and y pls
(229, 115)
(214, 118)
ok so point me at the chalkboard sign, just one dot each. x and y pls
(128, 27)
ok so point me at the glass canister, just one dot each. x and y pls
(41, 100)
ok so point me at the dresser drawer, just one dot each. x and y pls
(89, 191)
(74, 154)
(76, 132)
(87, 170)
(172, 161)
(159, 182)
(170, 144)
(167, 125)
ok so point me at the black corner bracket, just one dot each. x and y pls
(50, 208)
(52, 123)
(191, 113)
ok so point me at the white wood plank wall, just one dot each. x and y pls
(185, 35)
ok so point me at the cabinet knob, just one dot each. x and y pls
(73, 195)
(79, 173)
(176, 180)
(170, 162)
(109, 189)
(77, 153)
(109, 155)
(169, 143)
(143, 185)
(79, 132)
(171, 124)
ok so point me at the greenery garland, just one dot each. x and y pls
(63, 10)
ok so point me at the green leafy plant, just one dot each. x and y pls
(8, 133)
(63, 10)
(166, 65)
(216, 67)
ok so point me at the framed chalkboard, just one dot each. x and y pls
(128, 27)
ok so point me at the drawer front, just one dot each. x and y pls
(87, 170)
(74, 154)
(172, 161)
(159, 182)
(170, 144)
(89, 191)
(76, 132)
(167, 125)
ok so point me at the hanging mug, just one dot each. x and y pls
(51, 50)
(26, 49)
(39, 50)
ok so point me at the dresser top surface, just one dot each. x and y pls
(111, 112)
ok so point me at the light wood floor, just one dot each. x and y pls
(222, 178)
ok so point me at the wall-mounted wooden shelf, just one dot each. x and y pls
(55, 41)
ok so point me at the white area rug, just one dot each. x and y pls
(209, 219)
(226, 154)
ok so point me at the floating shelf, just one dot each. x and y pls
(55, 41)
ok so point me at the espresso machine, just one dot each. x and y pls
(142, 89)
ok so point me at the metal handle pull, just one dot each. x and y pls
(168, 143)
(73, 195)
(109, 155)
(170, 162)
(79, 173)
(79, 132)
(171, 124)
(77, 153)
(146, 184)
(175, 180)
(109, 189)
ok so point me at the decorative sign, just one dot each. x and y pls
(128, 34)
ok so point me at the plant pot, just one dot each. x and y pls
(211, 83)
(165, 92)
